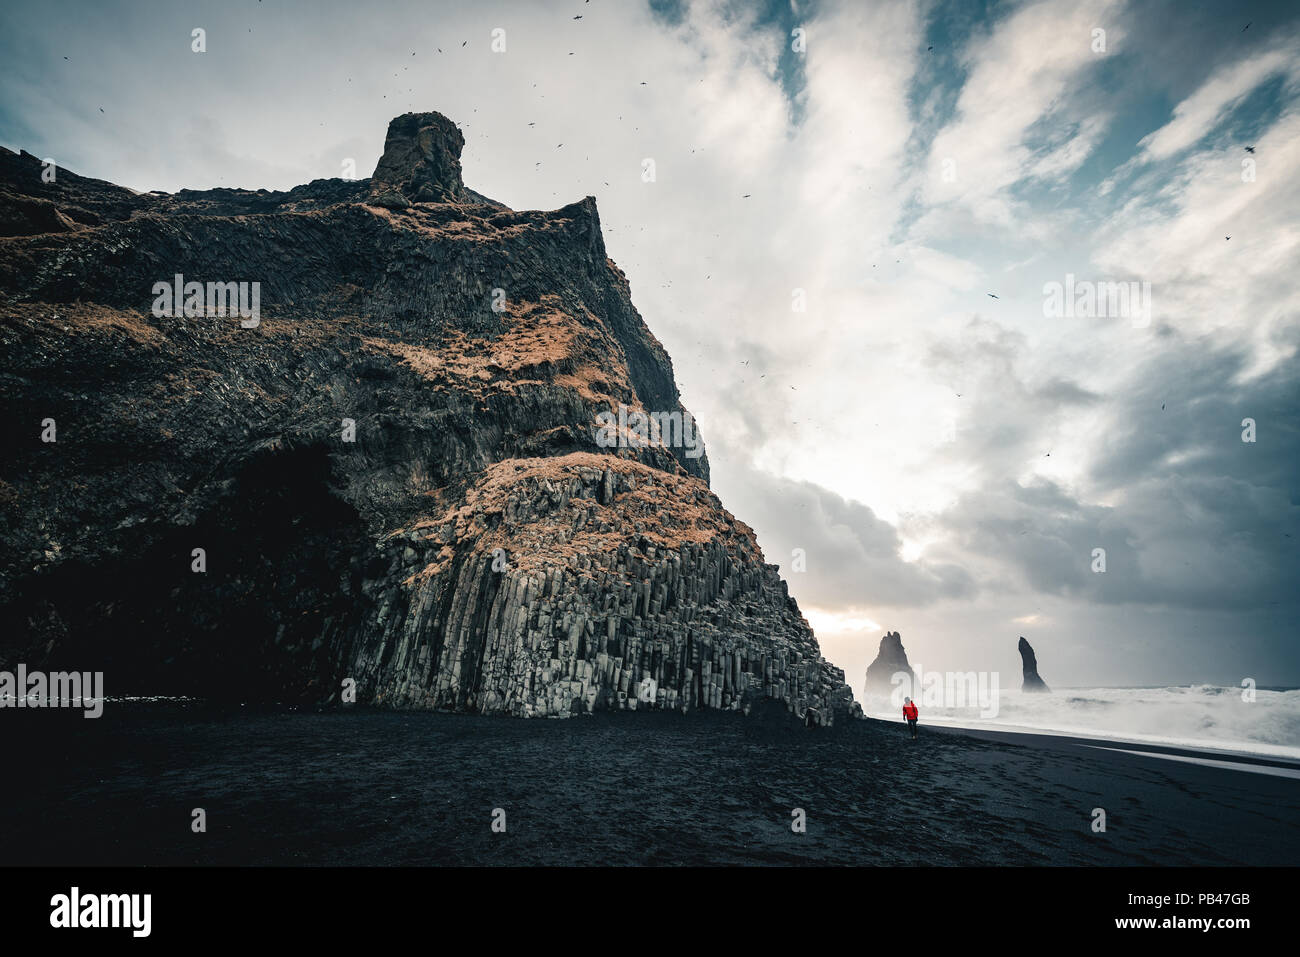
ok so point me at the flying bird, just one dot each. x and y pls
(1226, 238)
(578, 17)
(1249, 149)
(1246, 27)
(991, 296)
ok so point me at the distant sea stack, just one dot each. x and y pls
(891, 659)
(386, 479)
(1030, 663)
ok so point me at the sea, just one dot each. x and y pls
(1261, 721)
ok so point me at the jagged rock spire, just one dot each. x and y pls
(421, 161)
(1030, 668)
(891, 659)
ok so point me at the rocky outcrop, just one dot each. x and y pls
(421, 163)
(390, 478)
(543, 604)
(891, 659)
(1029, 665)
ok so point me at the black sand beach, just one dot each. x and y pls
(377, 788)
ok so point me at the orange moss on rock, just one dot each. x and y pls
(89, 319)
(548, 511)
(542, 345)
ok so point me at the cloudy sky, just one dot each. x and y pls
(947, 461)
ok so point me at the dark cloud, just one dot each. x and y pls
(1063, 392)
(1194, 518)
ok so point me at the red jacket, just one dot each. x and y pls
(909, 711)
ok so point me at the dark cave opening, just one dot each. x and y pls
(269, 619)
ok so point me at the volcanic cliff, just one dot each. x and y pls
(389, 478)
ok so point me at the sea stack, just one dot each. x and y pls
(890, 659)
(1030, 665)
(388, 487)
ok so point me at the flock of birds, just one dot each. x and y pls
(464, 43)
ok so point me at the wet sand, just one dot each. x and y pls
(1203, 757)
(380, 788)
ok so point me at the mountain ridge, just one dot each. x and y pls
(387, 470)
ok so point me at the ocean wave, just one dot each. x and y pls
(1193, 716)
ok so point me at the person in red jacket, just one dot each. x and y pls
(911, 714)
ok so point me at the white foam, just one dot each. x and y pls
(1205, 717)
